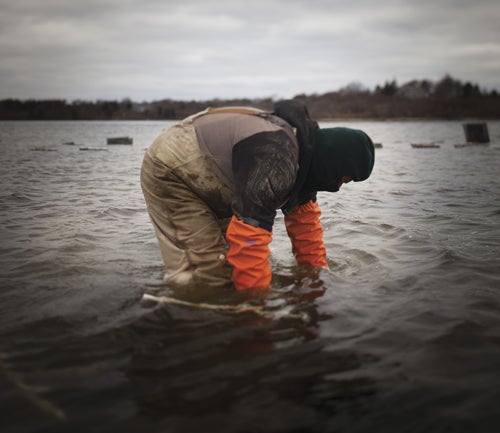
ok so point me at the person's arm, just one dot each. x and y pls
(304, 229)
(264, 170)
(249, 255)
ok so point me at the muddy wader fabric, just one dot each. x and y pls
(213, 166)
(178, 181)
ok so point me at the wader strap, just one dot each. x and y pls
(254, 112)
(239, 110)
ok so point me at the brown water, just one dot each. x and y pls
(402, 335)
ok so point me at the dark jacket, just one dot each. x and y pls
(257, 156)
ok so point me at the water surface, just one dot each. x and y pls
(402, 335)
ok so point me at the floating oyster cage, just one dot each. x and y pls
(120, 140)
(94, 149)
(476, 132)
(425, 145)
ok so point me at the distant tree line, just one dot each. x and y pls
(448, 98)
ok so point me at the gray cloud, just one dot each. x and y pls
(152, 49)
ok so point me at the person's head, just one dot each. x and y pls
(339, 155)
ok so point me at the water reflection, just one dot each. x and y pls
(200, 368)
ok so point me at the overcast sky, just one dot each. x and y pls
(200, 49)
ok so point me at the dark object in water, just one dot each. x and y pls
(44, 149)
(69, 143)
(94, 148)
(120, 140)
(425, 145)
(476, 132)
(377, 145)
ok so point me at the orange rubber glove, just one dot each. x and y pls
(305, 231)
(249, 255)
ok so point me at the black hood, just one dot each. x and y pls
(338, 152)
(326, 155)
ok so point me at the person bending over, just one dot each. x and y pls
(213, 184)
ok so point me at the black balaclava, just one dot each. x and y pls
(338, 152)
